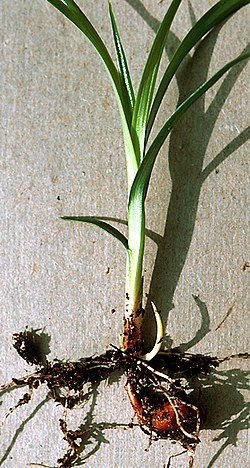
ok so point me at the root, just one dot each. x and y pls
(156, 391)
(159, 336)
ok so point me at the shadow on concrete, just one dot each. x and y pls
(20, 430)
(226, 410)
(94, 432)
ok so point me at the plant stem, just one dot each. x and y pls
(132, 339)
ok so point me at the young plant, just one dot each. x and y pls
(138, 113)
(167, 414)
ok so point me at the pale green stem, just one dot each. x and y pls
(132, 336)
(136, 241)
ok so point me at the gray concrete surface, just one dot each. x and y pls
(62, 153)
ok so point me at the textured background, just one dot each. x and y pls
(62, 153)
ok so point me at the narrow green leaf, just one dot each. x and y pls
(76, 16)
(126, 84)
(147, 83)
(101, 224)
(139, 187)
(218, 13)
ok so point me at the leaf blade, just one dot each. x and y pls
(147, 84)
(101, 224)
(218, 13)
(139, 187)
(71, 11)
(126, 83)
(79, 19)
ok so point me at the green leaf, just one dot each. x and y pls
(139, 187)
(147, 83)
(101, 224)
(218, 13)
(126, 84)
(76, 16)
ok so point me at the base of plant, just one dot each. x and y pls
(157, 392)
